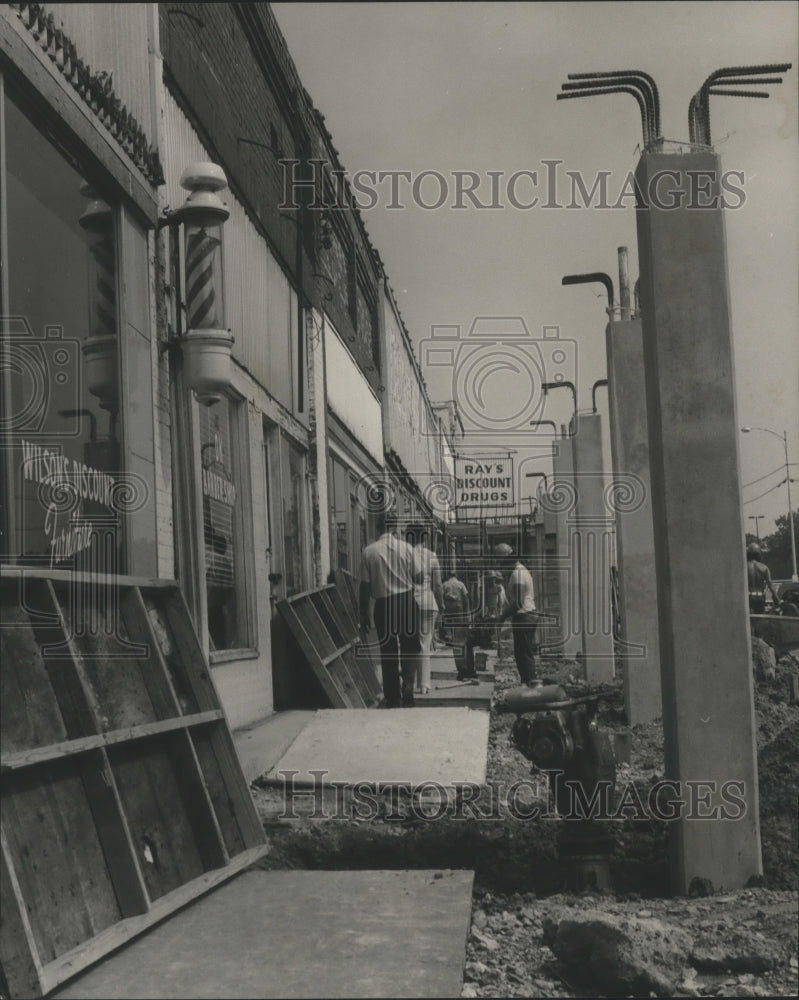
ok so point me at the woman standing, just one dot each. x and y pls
(429, 598)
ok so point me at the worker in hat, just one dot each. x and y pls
(759, 580)
(521, 611)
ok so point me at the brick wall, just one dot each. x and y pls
(229, 66)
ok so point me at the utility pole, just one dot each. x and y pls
(791, 530)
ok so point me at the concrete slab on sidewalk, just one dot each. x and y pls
(299, 934)
(454, 693)
(395, 746)
(260, 746)
(449, 673)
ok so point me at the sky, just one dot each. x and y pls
(447, 87)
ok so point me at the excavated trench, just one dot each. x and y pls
(510, 854)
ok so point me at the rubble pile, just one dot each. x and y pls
(736, 944)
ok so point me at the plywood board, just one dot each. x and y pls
(398, 746)
(300, 934)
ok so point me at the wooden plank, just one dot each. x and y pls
(340, 672)
(21, 966)
(114, 835)
(345, 585)
(39, 755)
(29, 713)
(331, 662)
(359, 671)
(296, 626)
(191, 659)
(362, 674)
(371, 689)
(161, 830)
(349, 612)
(154, 669)
(57, 854)
(341, 597)
(232, 800)
(335, 628)
(217, 791)
(370, 686)
(314, 626)
(103, 655)
(199, 809)
(178, 669)
(338, 652)
(12, 574)
(86, 954)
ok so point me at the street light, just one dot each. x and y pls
(784, 438)
(757, 518)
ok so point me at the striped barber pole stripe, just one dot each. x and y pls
(200, 292)
(105, 286)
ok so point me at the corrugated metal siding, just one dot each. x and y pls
(261, 305)
(181, 146)
(113, 37)
(413, 431)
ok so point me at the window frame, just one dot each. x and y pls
(243, 552)
(84, 158)
(274, 435)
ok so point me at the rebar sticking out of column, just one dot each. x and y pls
(641, 85)
(594, 276)
(731, 76)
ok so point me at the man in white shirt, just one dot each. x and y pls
(521, 610)
(389, 571)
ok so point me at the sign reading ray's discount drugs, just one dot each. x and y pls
(483, 482)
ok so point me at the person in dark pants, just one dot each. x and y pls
(522, 613)
(389, 570)
(759, 580)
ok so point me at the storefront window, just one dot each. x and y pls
(61, 386)
(224, 573)
(340, 514)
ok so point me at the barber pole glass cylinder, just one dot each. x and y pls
(207, 345)
(100, 347)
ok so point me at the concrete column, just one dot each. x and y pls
(592, 532)
(563, 597)
(635, 542)
(708, 713)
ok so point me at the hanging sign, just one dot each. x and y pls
(483, 482)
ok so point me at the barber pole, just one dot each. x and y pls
(100, 347)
